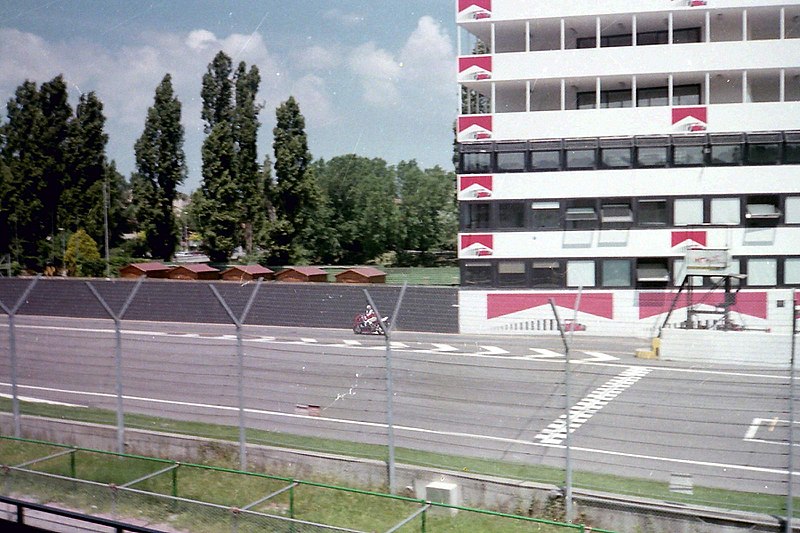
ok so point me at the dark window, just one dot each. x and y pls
(726, 154)
(586, 100)
(547, 274)
(686, 156)
(686, 95)
(764, 154)
(606, 41)
(511, 215)
(762, 210)
(620, 98)
(474, 215)
(651, 96)
(652, 272)
(580, 159)
(546, 160)
(511, 274)
(652, 156)
(791, 153)
(652, 212)
(545, 215)
(686, 35)
(615, 214)
(476, 274)
(510, 161)
(581, 217)
(615, 158)
(647, 38)
(473, 162)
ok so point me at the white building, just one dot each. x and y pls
(601, 139)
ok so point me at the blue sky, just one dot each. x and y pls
(372, 78)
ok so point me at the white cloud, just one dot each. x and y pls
(318, 58)
(313, 95)
(378, 72)
(337, 16)
(428, 56)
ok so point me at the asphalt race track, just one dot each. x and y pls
(499, 398)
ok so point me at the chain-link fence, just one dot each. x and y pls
(694, 412)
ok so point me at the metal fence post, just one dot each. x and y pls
(118, 356)
(790, 491)
(238, 322)
(12, 347)
(568, 404)
(389, 383)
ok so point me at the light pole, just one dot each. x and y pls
(63, 251)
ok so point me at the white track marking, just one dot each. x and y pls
(581, 412)
(407, 429)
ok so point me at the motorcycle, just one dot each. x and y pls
(361, 326)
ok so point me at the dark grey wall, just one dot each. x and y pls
(428, 309)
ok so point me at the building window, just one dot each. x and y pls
(475, 162)
(608, 99)
(791, 271)
(479, 273)
(652, 212)
(686, 95)
(762, 210)
(547, 274)
(652, 96)
(511, 274)
(511, 215)
(579, 159)
(616, 273)
(581, 217)
(546, 215)
(580, 274)
(791, 153)
(652, 156)
(686, 156)
(792, 210)
(726, 154)
(586, 100)
(546, 160)
(652, 272)
(762, 272)
(726, 211)
(764, 154)
(616, 215)
(615, 157)
(474, 215)
(688, 211)
(510, 161)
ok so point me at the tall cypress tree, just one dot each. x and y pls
(82, 202)
(297, 197)
(160, 169)
(247, 173)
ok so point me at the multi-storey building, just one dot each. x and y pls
(600, 140)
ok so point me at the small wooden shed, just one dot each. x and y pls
(151, 270)
(194, 271)
(302, 273)
(361, 275)
(247, 273)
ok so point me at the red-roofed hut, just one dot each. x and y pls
(247, 273)
(302, 273)
(361, 275)
(151, 270)
(194, 271)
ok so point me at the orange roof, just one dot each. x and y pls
(155, 265)
(198, 267)
(307, 270)
(365, 271)
(251, 269)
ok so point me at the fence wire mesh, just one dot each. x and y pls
(704, 416)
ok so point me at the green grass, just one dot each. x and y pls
(705, 496)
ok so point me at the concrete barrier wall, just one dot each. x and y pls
(320, 305)
(753, 348)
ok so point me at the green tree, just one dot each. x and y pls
(297, 197)
(248, 174)
(33, 144)
(82, 202)
(361, 194)
(82, 257)
(427, 211)
(160, 169)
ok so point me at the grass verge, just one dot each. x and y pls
(703, 496)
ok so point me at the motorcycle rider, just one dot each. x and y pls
(370, 318)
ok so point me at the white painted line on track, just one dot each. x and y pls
(408, 429)
(40, 400)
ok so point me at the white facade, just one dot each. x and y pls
(598, 144)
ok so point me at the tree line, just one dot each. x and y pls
(62, 201)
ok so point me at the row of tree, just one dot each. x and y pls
(56, 182)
